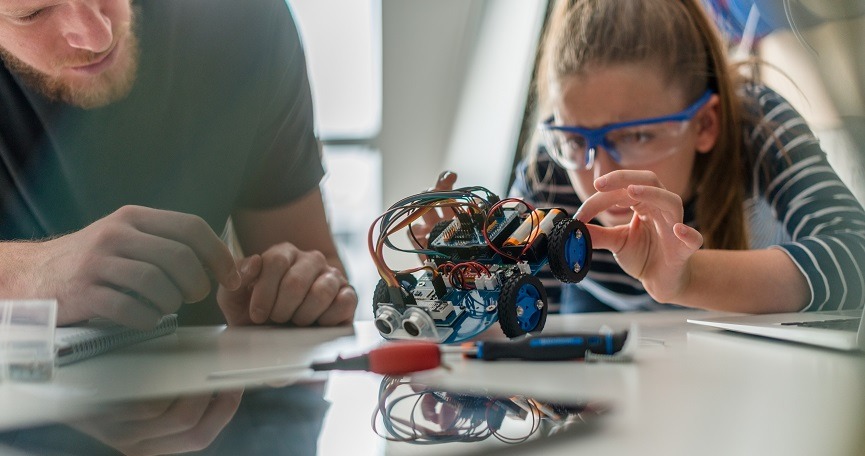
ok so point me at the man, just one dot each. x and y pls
(131, 131)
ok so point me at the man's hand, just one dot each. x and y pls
(132, 267)
(285, 284)
(163, 426)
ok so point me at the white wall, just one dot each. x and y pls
(490, 114)
(454, 83)
(425, 49)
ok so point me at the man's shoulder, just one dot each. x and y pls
(221, 39)
(195, 10)
(247, 21)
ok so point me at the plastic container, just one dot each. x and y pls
(27, 339)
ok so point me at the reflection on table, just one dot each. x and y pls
(275, 421)
(289, 420)
(692, 390)
(416, 413)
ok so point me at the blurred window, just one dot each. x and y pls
(342, 40)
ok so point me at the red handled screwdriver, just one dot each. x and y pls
(395, 358)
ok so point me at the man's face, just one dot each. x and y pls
(80, 52)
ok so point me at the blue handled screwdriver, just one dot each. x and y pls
(558, 347)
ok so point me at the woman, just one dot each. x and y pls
(707, 188)
(703, 188)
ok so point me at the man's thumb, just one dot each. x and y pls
(250, 268)
(235, 303)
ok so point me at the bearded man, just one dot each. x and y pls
(131, 132)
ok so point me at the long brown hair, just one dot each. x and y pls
(679, 39)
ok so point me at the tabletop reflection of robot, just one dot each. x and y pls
(412, 412)
(481, 265)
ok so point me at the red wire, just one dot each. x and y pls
(459, 271)
(492, 210)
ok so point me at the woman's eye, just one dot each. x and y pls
(575, 142)
(635, 137)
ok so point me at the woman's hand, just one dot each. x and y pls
(655, 247)
(420, 230)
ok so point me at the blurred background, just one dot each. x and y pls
(405, 89)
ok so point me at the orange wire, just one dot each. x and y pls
(376, 251)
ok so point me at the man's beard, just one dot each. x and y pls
(111, 85)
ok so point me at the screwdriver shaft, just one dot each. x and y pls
(256, 371)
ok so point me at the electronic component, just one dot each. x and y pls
(439, 310)
(521, 234)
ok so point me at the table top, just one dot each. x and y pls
(688, 390)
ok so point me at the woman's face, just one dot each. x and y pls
(622, 93)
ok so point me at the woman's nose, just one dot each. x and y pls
(603, 163)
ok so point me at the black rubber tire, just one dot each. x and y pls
(559, 266)
(381, 294)
(508, 319)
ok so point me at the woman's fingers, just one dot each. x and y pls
(446, 181)
(601, 201)
(650, 199)
(612, 238)
(624, 177)
(418, 232)
(691, 238)
(620, 189)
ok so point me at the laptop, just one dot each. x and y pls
(841, 330)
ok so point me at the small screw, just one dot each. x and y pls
(491, 308)
(519, 311)
(539, 304)
(577, 268)
(578, 234)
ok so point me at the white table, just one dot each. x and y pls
(689, 390)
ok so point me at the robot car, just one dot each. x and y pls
(481, 266)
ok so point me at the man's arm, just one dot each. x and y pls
(303, 223)
(292, 272)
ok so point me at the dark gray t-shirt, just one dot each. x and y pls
(220, 118)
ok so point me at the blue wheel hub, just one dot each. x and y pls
(575, 250)
(528, 313)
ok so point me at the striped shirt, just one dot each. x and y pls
(795, 202)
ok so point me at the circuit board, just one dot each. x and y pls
(464, 238)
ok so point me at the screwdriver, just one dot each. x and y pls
(395, 358)
(548, 347)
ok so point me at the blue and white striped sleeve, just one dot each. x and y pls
(550, 187)
(824, 220)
